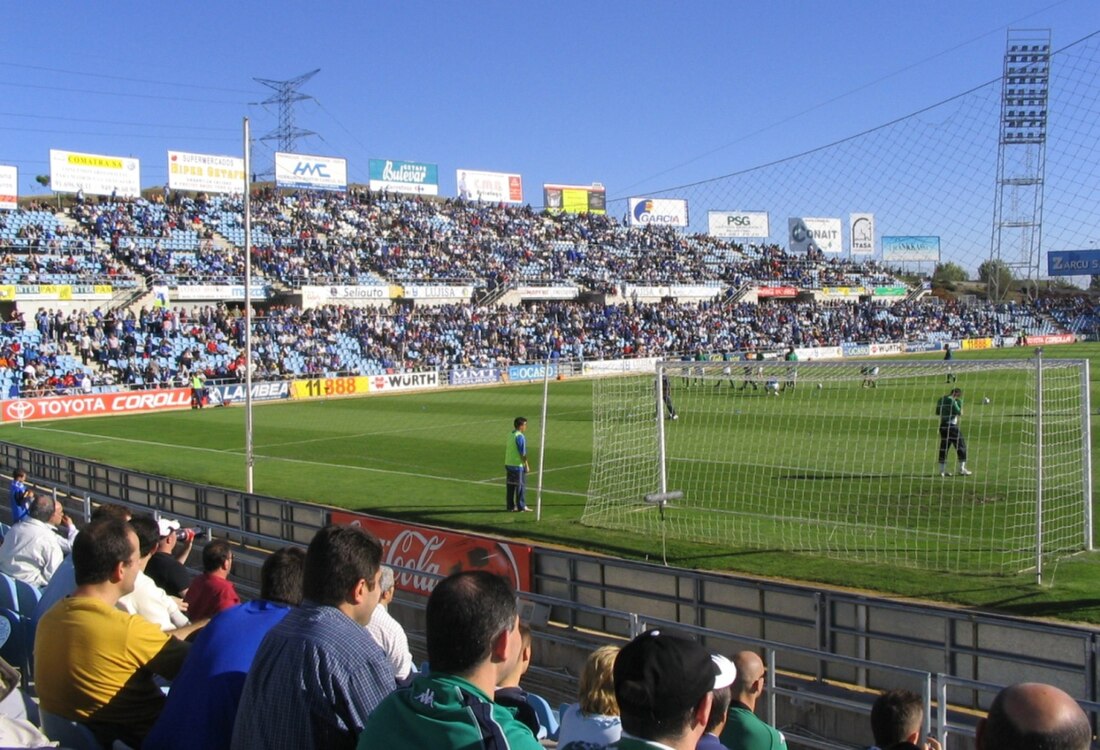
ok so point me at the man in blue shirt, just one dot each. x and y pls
(318, 674)
(202, 704)
(516, 466)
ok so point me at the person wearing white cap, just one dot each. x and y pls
(664, 685)
(718, 716)
(166, 567)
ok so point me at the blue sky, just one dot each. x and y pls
(638, 96)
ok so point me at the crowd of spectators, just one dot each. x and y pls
(364, 237)
(309, 663)
(154, 346)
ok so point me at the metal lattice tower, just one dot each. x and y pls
(286, 135)
(1021, 156)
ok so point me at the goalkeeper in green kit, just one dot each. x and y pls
(949, 409)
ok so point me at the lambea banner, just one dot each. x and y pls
(416, 178)
(94, 174)
(205, 173)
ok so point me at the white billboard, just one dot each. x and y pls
(861, 234)
(811, 233)
(493, 187)
(665, 212)
(205, 173)
(9, 188)
(71, 172)
(737, 223)
(310, 172)
(911, 249)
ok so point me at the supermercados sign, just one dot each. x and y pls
(413, 177)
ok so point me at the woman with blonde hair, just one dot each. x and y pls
(593, 721)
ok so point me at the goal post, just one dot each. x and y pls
(842, 459)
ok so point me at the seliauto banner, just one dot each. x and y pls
(474, 375)
(311, 172)
(414, 177)
(94, 405)
(205, 173)
(95, 174)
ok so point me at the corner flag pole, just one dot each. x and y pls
(542, 433)
(248, 460)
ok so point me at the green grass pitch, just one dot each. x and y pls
(436, 458)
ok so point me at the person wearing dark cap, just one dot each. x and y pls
(664, 685)
(1031, 716)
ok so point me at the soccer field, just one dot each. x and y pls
(436, 457)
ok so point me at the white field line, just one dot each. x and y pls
(412, 474)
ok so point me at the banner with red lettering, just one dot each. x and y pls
(429, 550)
(94, 404)
(777, 291)
(1050, 338)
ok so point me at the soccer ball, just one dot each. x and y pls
(985, 400)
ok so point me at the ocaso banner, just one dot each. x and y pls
(428, 550)
(94, 405)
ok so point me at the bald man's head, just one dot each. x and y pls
(750, 669)
(1032, 715)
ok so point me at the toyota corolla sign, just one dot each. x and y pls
(94, 405)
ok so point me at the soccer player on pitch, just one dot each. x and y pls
(949, 408)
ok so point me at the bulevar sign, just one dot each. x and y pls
(426, 550)
(94, 405)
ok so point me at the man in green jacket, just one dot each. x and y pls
(473, 640)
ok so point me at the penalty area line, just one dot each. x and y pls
(222, 452)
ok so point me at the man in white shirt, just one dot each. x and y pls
(387, 632)
(147, 599)
(33, 550)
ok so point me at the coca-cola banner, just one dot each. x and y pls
(428, 550)
(94, 405)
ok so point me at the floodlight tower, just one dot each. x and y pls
(1021, 157)
(286, 135)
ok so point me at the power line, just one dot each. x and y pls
(118, 122)
(117, 93)
(121, 135)
(123, 78)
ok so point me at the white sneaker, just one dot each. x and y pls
(675, 416)
(965, 472)
(945, 473)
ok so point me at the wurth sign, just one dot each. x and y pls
(94, 405)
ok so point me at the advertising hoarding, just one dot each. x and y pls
(9, 188)
(95, 405)
(664, 212)
(474, 375)
(491, 187)
(575, 199)
(737, 224)
(423, 549)
(911, 249)
(1071, 262)
(861, 234)
(813, 233)
(414, 177)
(205, 173)
(403, 381)
(95, 174)
(310, 172)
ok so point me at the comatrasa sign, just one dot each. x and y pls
(94, 405)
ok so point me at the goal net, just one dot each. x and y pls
(841, 459)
